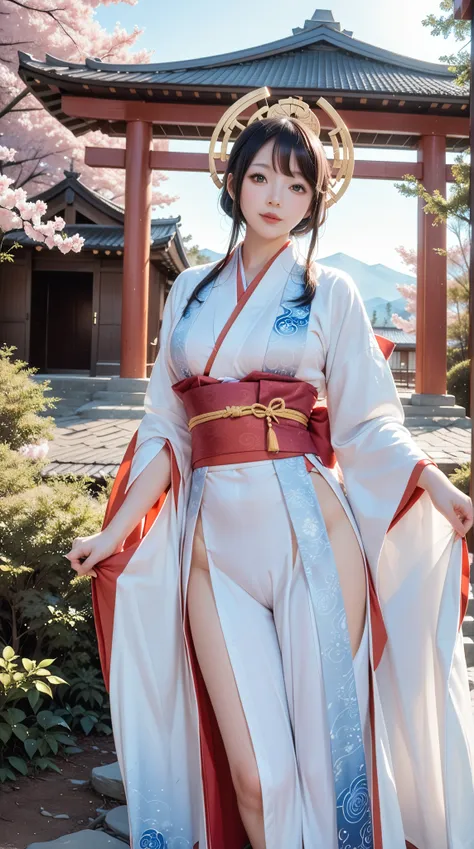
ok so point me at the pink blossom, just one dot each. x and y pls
(65, 246)
(9, 220)
(7, 199)
(32, 232)
(40, 207)
(5, 182)
(20, 196)
(7, 154)
(59, 223)
(26, 210)
(46, 229)
(35, 452)
(77, 243)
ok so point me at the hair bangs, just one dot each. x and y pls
(290, 140)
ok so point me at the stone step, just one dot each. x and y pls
(131, 399)
(469, 650)
(95, 410)
(85, 839)
(117, 821)
(449, 411)
(468, 625)
(433, 421)
(128, 384)
(107, 780)
(72, 382)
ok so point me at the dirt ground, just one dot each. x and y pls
(22, 823)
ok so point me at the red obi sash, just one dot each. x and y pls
(231, 440)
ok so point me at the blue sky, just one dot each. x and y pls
(373, 218)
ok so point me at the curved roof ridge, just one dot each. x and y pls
(303, 39)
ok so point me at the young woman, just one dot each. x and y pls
(281, 640)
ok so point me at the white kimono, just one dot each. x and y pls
(378, 752)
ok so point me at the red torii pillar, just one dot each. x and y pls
(136, 257)
(431, 300)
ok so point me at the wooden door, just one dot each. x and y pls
(15, 283)
(61, 331)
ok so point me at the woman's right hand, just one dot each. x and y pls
(86, 552)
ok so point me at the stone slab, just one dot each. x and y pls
(117, 821)
(97, 410)
(128, 384)
(423, 399)
(107, 780)
(85, 839)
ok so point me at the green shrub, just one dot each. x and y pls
(458, 383)
(28, 735)
(454, 356)
(45, 608)
(21, 402)
(461, 477)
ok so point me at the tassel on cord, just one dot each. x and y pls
(272, 441)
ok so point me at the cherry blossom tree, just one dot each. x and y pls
(17, 213)
(68, 29)
(457, 288)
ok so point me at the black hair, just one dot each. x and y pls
(290, 135)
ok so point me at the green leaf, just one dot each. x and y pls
(31, 747)
(28, 664)
(19, 764)
(102, 726)
(33, 698)
(87, 723)
(42, 672)
(13, 715)
(5, 679)
(5, 732)
(53, 679)
(45, 718)
(7, 773)
(43, 663)
(43, 688)
(52, 765)
(8, 653)
(21, 732)
(52, 743)
(64, 739)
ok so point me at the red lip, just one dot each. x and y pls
(270, 216)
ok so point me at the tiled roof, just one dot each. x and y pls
(396, 335)
(331, 62)
(110, 237)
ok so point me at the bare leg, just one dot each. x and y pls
(219, 678)
(348, 557)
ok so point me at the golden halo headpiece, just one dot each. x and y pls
(343, 163)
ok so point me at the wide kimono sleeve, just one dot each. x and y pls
(165, 419)
(379, 458)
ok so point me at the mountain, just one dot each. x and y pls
(376, 283)
(211, 255)
(373, 281)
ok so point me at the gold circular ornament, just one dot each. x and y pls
(289, 107)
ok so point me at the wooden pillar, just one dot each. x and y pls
(136, 257)
(431, 302)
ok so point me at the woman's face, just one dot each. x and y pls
(272, 203)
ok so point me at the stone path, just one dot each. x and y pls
(95, 448)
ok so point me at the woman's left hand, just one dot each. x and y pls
(448, 499)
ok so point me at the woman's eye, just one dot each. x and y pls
(299, 186)
(257, 175)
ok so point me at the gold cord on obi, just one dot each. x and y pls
(275, 410)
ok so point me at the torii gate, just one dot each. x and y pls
(139, 159)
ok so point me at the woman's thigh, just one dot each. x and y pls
(216, 668)
(348, 556)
